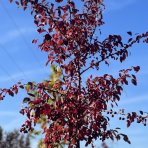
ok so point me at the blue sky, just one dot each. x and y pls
(20, 60)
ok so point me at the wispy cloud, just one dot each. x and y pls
(134, 100)
(8, 114)
(10, 119)
(14, 124)
(113, 5)
(28, 74)
(11, 35)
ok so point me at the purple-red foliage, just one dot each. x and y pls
(77, 112)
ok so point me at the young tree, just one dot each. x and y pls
(76, 111)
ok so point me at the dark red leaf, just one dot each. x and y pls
(130, 33)
(134, 81)
(137, 68)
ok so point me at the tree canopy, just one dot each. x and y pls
(77, 110)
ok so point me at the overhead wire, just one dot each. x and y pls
(13, 60)
(8, 74)
(22, 36)
(5, 70)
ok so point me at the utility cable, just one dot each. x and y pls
(22, 35)
(7, 73)
(13, 60)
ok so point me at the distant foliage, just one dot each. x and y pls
(13, 140)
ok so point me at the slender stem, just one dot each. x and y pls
(91, 66)
(78, 144)
(110, 55)
(78, 114)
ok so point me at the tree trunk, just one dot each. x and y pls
(78, 144)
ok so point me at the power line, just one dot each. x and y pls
(22, 35)
(13, 60)
(7, 73)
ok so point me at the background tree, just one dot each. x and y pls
(27, 142)
(14, 139)
(1, 136)
(77, 110)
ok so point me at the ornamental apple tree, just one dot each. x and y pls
(74, 109)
